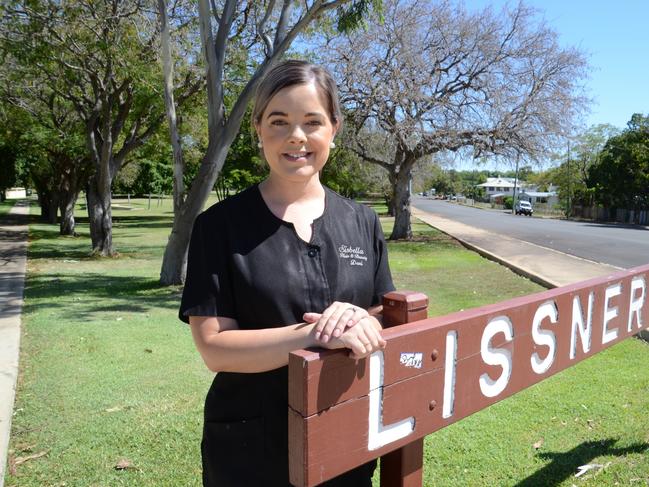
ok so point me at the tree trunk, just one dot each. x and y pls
(170, 105)
(68, 194)
(402, 228)
(66, 207)
(174, 262)
(52, 207)
(100, 217)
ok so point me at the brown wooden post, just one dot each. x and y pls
(403, 467)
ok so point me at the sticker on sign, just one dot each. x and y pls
(412, 359)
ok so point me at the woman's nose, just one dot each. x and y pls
(297, 134)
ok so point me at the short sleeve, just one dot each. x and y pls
(382, 276)
(208, 286)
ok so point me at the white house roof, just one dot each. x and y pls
(500, 182)
(539, 194)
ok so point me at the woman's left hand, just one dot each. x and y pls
(334, 320)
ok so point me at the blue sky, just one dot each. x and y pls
(615, 35)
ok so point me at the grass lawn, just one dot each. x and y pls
(6, 206)
(110, 377)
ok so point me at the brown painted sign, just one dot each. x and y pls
(436, 371)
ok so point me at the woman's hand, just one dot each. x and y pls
(363, 339)
(334, 320)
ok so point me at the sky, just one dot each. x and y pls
(615, 36)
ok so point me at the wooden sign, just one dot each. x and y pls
(436, 371)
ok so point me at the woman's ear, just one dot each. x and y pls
(336, 128)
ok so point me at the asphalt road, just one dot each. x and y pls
(609, 243)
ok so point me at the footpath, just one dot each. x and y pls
(13, 249)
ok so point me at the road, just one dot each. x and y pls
(609, 243)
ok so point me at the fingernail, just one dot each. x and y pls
(336, 332)
(325, 338)
(317, 335)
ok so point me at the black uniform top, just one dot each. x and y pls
(247, 264)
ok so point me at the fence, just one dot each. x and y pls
(343, 413)
(599, 213)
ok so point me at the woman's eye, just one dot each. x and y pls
(315, 122)
(278, 122)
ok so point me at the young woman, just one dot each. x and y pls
(283, 265)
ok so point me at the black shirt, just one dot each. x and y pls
(245, 263)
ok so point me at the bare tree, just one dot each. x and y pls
(434, 77)
(266, 29)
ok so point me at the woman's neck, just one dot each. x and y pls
(286, 193)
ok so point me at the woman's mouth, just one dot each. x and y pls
(296, 156)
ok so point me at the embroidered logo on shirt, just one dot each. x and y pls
(356, 255)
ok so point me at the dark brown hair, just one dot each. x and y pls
(296, 72)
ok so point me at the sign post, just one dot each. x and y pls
(436, 371)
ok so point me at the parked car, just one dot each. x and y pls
(524, 208)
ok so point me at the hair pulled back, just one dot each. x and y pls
(296, 72)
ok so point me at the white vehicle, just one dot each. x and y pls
(523, 208)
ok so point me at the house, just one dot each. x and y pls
(549, 198)
(496, 188)
(15, 193)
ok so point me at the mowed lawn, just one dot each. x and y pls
(6, 206)
(111, 389)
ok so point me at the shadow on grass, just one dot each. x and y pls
(565, 464)
(53, 245)
(106, 293)
(143, 221)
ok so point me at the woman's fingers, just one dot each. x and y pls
(364, 339)
(311, 317)
(336, 318)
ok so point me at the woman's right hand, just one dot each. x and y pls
(334, 320)
(363, 339)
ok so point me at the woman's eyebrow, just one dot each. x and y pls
(283, 114)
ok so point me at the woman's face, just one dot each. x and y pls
(296, 131)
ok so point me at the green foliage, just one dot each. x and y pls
(352, 16)
(456, 182)
(508, 202)
(346, 174)
(149, 169)
(620, 178)
(474, 192)
(243, 165)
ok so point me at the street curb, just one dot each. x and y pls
(500, 260)
(510, 265)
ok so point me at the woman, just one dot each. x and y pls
(283, 265)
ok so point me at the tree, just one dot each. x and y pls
(434, 78)
(571, 174)
(266, 30)
(45, 140)
(99, 56)
(620, 177)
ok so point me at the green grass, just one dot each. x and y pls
(108, 373)
(6, 206)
